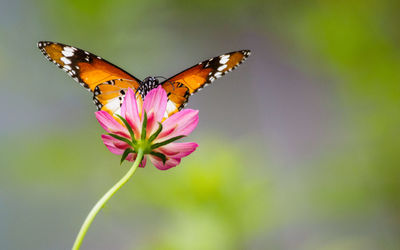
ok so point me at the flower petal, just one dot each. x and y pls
(143, 163)
(181, 123)
(132, 157)
(155, 102)
(129, 110)
(110, 124)
(158, 163)
(151, 121)
(114, 146)
(178, 150)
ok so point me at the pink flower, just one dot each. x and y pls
(148, 130)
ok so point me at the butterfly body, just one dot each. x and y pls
(148, 84)
(109, 83)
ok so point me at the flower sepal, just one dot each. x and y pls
(128, 126)
(121, 138)
(126, 153)
(160, 144)
(159, 155)
(154, 136)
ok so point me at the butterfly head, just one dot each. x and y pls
(148, 84)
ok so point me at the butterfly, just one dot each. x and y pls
(109, 83)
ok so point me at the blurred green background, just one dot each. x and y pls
(299, 147)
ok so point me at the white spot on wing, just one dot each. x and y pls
(170, 107)
(69, 49)
(220, 68)
(65, 60)
(113, 104)
(118, 111)
(224, 59)
(67, 53)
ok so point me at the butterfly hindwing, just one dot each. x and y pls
(110, 95)
(178, 95)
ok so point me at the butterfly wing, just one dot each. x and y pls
(191, 80)
(109, 96)
(97, 75)
(109, 83)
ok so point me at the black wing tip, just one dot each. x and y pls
(246, 52)
(42, 44)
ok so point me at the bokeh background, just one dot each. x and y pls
(299, 147)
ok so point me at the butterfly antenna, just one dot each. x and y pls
(160, 77)
(172, 83)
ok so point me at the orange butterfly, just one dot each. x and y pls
(109, 83)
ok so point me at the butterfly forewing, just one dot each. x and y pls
(90, 71)
(198, 76)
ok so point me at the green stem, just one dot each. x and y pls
(100, 204)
